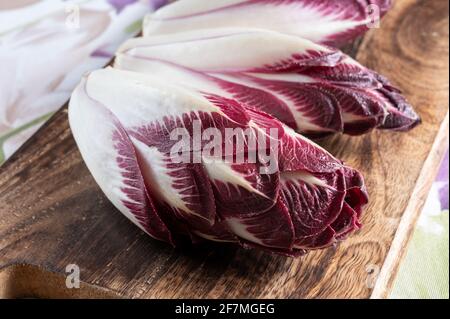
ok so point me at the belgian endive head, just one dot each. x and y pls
(312, 88)
(331, 22)
(185, 164)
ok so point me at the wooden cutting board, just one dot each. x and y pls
(52, 214)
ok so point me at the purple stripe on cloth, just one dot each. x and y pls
(99, 53)
(443, 182)
(119, 5)
(156, 4)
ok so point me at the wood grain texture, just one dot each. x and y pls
(52, 213)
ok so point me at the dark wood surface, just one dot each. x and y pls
(53, 214)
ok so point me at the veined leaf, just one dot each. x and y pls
(323, 21)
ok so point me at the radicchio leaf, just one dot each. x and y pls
(323, 21)
(122, 123)
(313, 89)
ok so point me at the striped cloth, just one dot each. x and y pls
(45, 48)
(424, 272)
